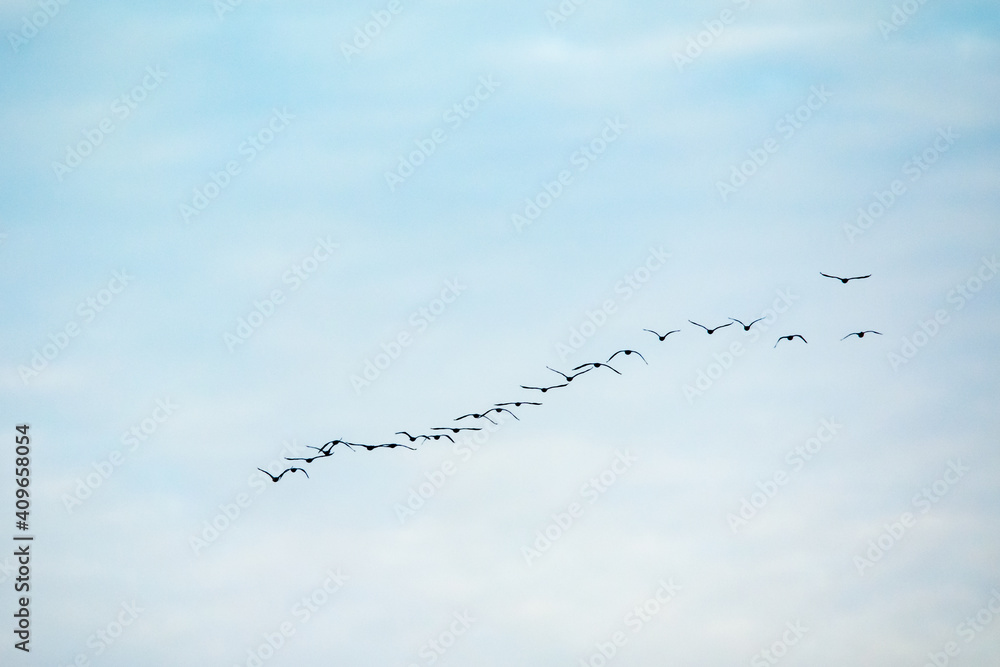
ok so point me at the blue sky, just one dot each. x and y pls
(127, 303)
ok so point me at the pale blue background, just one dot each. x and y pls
(323, 176)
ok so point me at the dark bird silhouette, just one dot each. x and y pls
(844, 280)
(663, 336)
(475, 415)
(569, 378)
(456, 429)
(861, 334)
(595, 364)
(413, 438)
(711, 331)
(626, 353)
(438, 436)
(781, 338)
(544, 389)
(516, 404)
(499, 410)
(275, 479)
(746, 327)
(310, 459)
(393, 445)
(331, 445)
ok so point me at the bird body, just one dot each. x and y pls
(781, 338)
(711, 331)
(861, 334)
(845, 280)
(627, 353)
(663, 336)
(275, 479)
(746, 327)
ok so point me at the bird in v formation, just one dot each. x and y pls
(326, 450)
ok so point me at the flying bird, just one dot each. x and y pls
(476, 416)
(781, 338)
(544, 389)
(456, 429)
(663, 336)
(393, 445)
(844, 280)
(275, 479)
(595, 364)
(516, 404)
(626, 353)
(310, 459)
(413, 437)
(499, 410)
(331, 444)
(746, 327)
(569, 378)
(861, 334)
(711, 331)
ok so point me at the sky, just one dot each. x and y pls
(231, 231)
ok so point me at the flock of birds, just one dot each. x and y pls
(326, 450)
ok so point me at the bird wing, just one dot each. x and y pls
(698, 325)
(736, 320)
(860, 277)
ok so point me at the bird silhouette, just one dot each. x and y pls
(595, 364)
(393, 445)
(275, 479)
(781, 338)
(861, 334)
(663, 336)
(456, 429)
(844, 280)
(711, 331)
(331, 445)
(475, 415)
(544, 389)
(413, 438)
(499, 410)
(569, 378)
(626, 353)
(746, 327)
(516, 404)
(310, 459)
